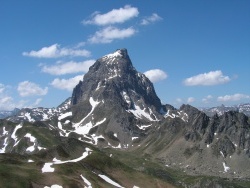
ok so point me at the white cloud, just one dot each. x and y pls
(2, 88)
(235, 97)
(37, 102)
(114, 16)
(190, 100)
(27, 88)
(5, 100)
(207, 79)
(55, 51)
(7, 103)
(179, 100)
(151, 19)
(108, 34)
(66, 84)
(207, 99)
(68, 68)
(156, 75)
(80, 44)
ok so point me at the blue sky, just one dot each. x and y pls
(195, 52)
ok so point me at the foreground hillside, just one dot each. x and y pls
(74, 164)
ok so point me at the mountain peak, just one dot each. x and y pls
(118, 53)
(122, 95)
(117, 60)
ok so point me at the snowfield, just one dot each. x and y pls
(47, 166)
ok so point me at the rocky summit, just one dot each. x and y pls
(123, 99)
(114, 132)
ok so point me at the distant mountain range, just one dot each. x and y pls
(220, 110)
(35, 114)
(43, 114)
(114, 132)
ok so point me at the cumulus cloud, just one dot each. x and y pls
(37, 102)
(235, 97)
(190, 100)
(156, 75)
(66, 84)
(114, 16)
(110, 33)
(207, 79)
(207, 99)
(68, 67)
(7, 103)
(151, 19)
(2, 88)
(5, 100)
(27, 88)
(179, 100)
(55, 51)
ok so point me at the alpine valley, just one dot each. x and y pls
(114, 132)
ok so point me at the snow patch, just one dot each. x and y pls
(47, 166)
(139, 113)
(226, 168)
(222, 154)
(86, 128)
(108, 180)
(143, 127)
(4, 146)
(28, 116)
(119, 146)
(95, 138)
(169, 115)
(4, 131)
(87, 182)
(54, 186)
(180, 114)
(14, 134)
(126, 97)
(32, 138)
(62, 116)
(40, 148)
(113, 55)
(31, 148)
(93, 104)
(67, 122)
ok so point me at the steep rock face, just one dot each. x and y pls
(124, 99)
(113, 76)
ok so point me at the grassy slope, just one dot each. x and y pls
(126, 168)
(16, 172)
(175, 177)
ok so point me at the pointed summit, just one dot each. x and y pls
(118, 53)
(115, 73)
